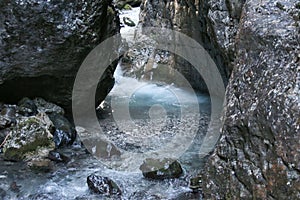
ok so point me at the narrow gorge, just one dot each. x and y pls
(166, 128)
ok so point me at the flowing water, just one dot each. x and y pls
(138, 117)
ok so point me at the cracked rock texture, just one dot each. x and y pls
(145, 62)
(43, 43)
(258, 154)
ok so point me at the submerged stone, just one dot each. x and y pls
(103, 185)
(40, 165)
(97, 146)
(58, 157)
(161, 169)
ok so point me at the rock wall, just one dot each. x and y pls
(258, 154)
(43, 43)
(257, 41)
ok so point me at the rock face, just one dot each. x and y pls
(143, 61)
(161, 169)
(43, 43)
(258, 155)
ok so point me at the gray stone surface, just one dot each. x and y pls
(43, 43)
(258, 154)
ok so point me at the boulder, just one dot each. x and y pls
(29, 134)
(103, 185)
(43, 43)
(161, 168)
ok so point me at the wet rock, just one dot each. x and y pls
(65, 132)
(257, 157)
(7, 116)
(128, 21)
(58, 157)
(161, 169)
(27, 107)
(47, 107)
(101, 148)
(103, 185)
(38, 161)
(40, 165)
(98, 146)
(43, 44)
(28, 134)
(196, 183)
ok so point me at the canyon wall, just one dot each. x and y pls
(143, 61)
(258, 154)
(256, 43)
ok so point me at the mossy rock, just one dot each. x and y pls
(128, 21)
(127, 7)
(110, 10)
(29, 134)
(161, 168)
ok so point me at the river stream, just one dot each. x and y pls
(138, 117)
